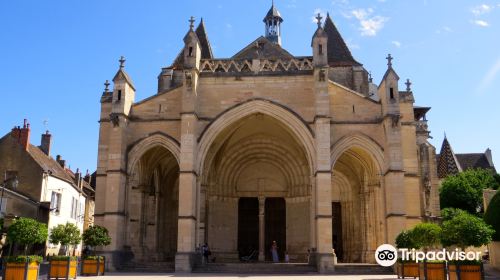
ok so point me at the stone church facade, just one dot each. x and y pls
(264, 146)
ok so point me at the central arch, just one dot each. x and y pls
(256, 162)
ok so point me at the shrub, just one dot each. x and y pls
(23, 259)
(405, 240)
(26, 232)
(64, 258)
(464, 230)
(465, 190)
(426, 235)
(492, 215)
(449, 213)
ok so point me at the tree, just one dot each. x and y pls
(464, 230)
(449, 213)
(96, 236)
(67, 234)
(465, 190)
(497, 178)
(26, 231)
(492, 215)
(426, 235)
(405, 240)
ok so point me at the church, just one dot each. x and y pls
(262, 146)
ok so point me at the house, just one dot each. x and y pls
(47, 190)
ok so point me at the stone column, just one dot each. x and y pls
(262, 224)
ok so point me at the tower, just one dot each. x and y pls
(273, 22)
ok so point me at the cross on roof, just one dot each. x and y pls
(408, 85)
(389, 60)
(318, 18)
(370, 79)
(191, 23)
(122, 61)
(106, 86)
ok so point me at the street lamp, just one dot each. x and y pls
(12, 183)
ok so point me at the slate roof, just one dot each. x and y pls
(206, 50)
(266, 50)
(475, 160)
(338, 52)
(273, 13)
(49, 164)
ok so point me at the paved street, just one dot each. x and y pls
(230, 277)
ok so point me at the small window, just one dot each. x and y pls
(119, 97)
(320, 49)
(391, 93)
(190, 53)
(55, 203)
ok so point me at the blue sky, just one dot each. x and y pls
(56, 55)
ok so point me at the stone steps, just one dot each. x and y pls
(256, 268)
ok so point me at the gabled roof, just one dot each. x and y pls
(122, 75)
(475, 160)
(266, 50)
(206, 50)
(338, 52)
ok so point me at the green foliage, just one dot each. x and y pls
(93, 258)
(449, 213)
(492, 215)
(26, 231)
(23, 259)
(497, 179)
(96, 236)
(464, 230)
(426, 235)
(64, 258)
(465, 262)
(67, 234)
(405, 240)
(465, 190)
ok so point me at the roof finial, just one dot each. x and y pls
(389, 60)
(191, 23)
(408, 85)
(106, 86)
(122, 62)
(318, 18)
(370, 78)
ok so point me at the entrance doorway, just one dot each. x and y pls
(337, 229)
(248, 226)
(275, 226)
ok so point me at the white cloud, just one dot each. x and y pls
(490, 76)
(319, 11)
(444, 29)
(396, 43)
(481, 23)
(369, 25)
(481, 9)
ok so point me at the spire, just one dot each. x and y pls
(273, 22)
(447, 162)
(206, 49)
(122, 75)
(338, 52)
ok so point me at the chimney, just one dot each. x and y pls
(45, 143)
(22, 134)
(489, 157)
(78, 177)
(61, 162)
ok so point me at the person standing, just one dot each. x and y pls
(274, 252)
(205, 250)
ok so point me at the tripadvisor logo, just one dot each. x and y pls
(387, 255)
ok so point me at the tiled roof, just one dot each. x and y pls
(476, 160)
(266, 50)
(206, 50)
(49, 164)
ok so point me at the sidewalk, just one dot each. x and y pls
(126, 276)
(491, 273)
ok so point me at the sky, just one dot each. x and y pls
(55, 56)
